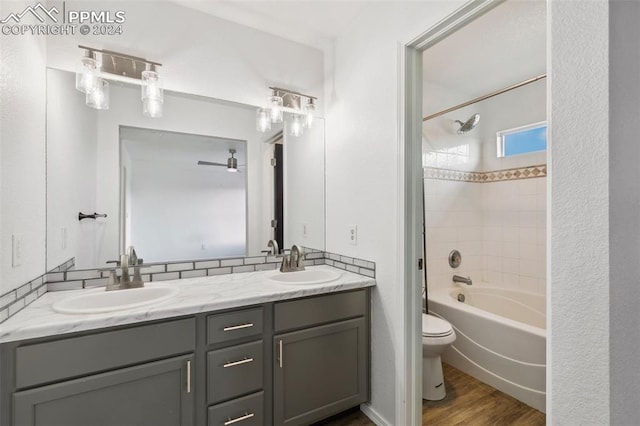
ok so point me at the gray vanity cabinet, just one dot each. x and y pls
(138, 375)
(153, 394)
(321, 369)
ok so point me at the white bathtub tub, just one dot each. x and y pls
(501, 338)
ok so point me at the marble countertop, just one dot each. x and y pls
(195, 295)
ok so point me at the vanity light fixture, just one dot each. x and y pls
(295, 125)
(98, 97)
(98, 66)
(286, 101)
(263, 120)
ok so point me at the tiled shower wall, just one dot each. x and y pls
(498, 226)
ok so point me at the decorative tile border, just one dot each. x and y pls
(486, 177)
(17, 299)
(63, 277)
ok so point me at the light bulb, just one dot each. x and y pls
(152, 86)
(275, 105)
(295, 125)
(87, 77)
(263, 120)
(152, 108)
(309, 109)
(98, 97)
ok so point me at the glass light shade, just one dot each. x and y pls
(309, 109)
(98, 98)
(152, 108)
(263, 120)
(152, 86)
(275, 105)
(87, 77)
(296, 125)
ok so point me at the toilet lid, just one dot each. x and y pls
(434, 326)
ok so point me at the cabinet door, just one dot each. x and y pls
(155, 394)
(320, 371)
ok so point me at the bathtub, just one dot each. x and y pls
(501, 338)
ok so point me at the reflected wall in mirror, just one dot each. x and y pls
(181, 184)
(86, 150)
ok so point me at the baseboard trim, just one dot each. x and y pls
(373, 415)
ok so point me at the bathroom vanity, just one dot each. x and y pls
(298, 356)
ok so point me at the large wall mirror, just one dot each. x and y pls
(164, 184)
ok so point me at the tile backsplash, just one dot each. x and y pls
(64, 277)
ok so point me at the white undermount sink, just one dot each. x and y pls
(99, 301)
(308, 276)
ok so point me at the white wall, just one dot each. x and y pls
(624, 215)
(72, 130)
(304, 187)
(362, 171)
(578, 365)
(190, 206)
(22, 167)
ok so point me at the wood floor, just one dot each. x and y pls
(468, 402)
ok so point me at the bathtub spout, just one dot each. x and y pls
(459, 279)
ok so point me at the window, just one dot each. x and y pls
(522, 140)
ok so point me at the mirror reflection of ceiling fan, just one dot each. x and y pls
(231, 165)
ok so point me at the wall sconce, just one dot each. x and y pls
(99, 66)
(281, 101)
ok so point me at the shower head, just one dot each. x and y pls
(468, 125)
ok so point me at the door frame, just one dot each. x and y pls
(409, 395)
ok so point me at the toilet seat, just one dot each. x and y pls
(433, 326)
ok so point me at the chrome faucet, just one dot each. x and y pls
(291, 263)
(274, 249)
(125, 281)
(459, 279)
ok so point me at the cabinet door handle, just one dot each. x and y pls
(280, 353)
(239, 419)
(188, 376)
(238, 327)
(234, 363)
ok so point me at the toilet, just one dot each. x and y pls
(437, 335)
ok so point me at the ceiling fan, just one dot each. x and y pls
(231, 165)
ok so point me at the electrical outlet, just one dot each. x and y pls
(16, 250)
(305, 229)
(353, 235)
(203, 246)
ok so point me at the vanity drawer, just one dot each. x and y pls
(319, 310)
(234, 325)
(78, 356)
(234, 371)
(245, 411)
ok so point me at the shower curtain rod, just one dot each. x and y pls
(482, 98)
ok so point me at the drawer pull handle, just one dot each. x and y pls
(238, 419)
(188, 376)
(238, 327)
(280, 353)
(242, 361)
